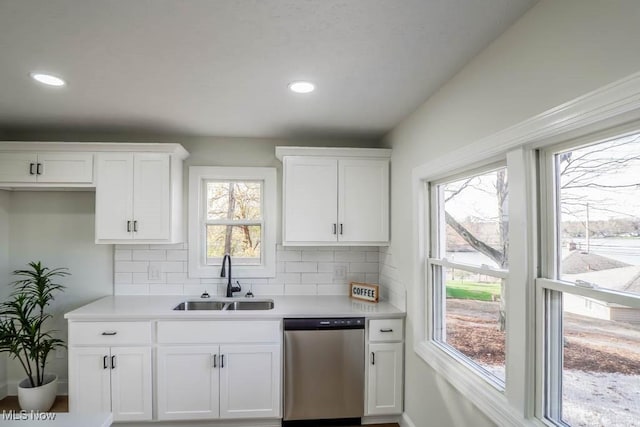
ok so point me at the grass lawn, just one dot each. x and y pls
(473, 290)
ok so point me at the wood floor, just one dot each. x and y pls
(10, 403)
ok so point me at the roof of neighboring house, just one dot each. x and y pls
(578, 262)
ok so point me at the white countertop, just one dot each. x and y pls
(161, 307)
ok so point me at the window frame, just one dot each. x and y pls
(550, 288)
(198, 178)
(436, 260)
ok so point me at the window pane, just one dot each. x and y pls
(599, 188)
(242, 242)
(472, 319)
(475, 214)
(601, 372)
(234, 200)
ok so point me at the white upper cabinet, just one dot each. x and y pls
(310, 205)
(61, 168)
(335, 196)
(138, 198)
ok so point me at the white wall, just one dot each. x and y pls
(57, 228)
(5, 201)
(556, 52)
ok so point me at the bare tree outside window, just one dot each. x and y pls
(234, 221)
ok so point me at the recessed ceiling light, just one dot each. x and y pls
(301, 87)
(47, 79)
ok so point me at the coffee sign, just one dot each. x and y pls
(364, 291)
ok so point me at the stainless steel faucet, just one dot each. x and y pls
(230, 288)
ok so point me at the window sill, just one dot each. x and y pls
(489, 400)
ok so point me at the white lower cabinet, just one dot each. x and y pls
(111, 379)
(384, 393)
(188, 383)
(237, 377)
(385, 361)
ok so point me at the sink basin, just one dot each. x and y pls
(250, 305)
(200, 305)
(225, 305)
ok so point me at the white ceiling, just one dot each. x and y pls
(221, 67)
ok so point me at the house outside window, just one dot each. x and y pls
(591, 283)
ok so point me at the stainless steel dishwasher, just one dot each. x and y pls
(324, 369)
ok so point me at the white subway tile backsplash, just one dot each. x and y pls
(318, 256)
(301, 267)
(351, 256)
(131, 266)
(170, 266)
(131, 289)
(288, 256)
(156, 255)
(333, 289)
(177, 255)
(300, 289)
(166, 289)
(299, 271)
(122, 278)
(122, 255)
(316, 278)
(363, 267)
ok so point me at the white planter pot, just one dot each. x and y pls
(38, 398)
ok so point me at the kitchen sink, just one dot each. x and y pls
(250, 305)
(200, 305)
(225, 305)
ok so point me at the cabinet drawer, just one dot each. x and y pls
(385, 330)
(109, 333)
(218, 331)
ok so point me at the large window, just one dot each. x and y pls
(591, 284)
(468, 269)
(232, 211)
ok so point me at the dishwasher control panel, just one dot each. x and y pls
(303, 324)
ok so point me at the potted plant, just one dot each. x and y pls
(24, 335)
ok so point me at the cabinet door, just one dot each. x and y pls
(151, 197)
(17, 167)
(114, 196)
(188, 382)
(310, 199)
(250, 381)
(89, 380)
(363, 201)
(384, 379)
(65, 168)
(131, 383)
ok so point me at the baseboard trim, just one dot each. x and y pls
(380, 419)
(406, 421)
(4, 390)
(11, 388)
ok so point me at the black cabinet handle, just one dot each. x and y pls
(38, 168)
(31, 172)
(128, 226)
(104, 362)
(335, 228)
(373, 358)
(113, 362)
(109, 333)
(222, 360)
(215, 360)
(341, 228)
(135, 226)
(386, 330)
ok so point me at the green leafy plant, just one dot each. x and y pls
(23, 333)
